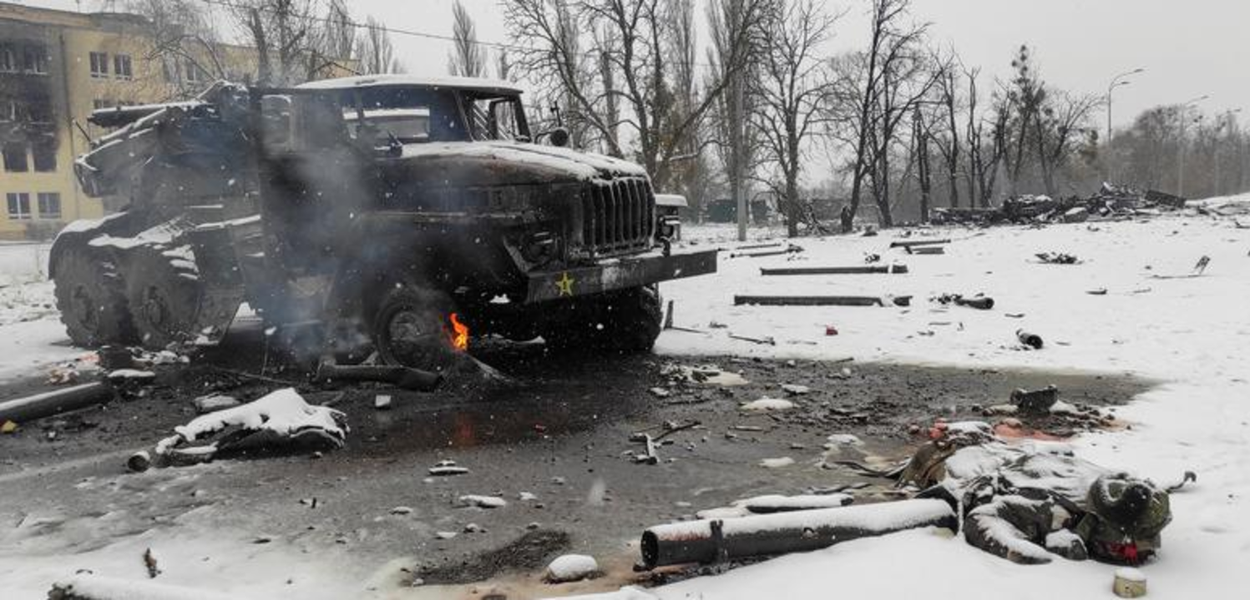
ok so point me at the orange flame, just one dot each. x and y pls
(459, 334)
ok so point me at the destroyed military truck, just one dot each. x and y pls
(387, 213)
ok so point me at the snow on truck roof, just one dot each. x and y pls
(377, 81)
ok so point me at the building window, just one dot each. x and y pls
(99, 64)
(35, 60)
(43, 155)
(121, 66)
(8, 63)
(194, 73)
(100, 103)
(49, 206)
(8, 111)
(15, 157)
(19, 207)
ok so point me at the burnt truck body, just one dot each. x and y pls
(385, 214)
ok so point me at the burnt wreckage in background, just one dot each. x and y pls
(384, 213)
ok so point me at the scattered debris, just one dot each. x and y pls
(980, 301)
(919, 243)
(1129, 583)
(1031, 340)
(659, 392)
(445, 535)
(819, 300)
(868, 270)
(795, 389)
(447, 468)
(571, 567)
(650, 456)
(719, 539)
(830, 330)
(382, 402)
(401, 510)
(213, 403)
(1097, 292)
(402, 377)
(8, 426)
(55, 402)
(777, 463)
(767, 405)
(1057, 258)
(1109, 202)
(474, 500)
(768, 341)
(1036, 402)
(927, 250)
(704, 374)
(149, 562)
(791, 249)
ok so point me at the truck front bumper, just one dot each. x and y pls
(618, 274)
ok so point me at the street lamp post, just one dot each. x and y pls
(1116, 82)
(1180, 143)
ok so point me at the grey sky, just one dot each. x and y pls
(1188, 48)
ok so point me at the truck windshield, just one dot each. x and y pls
(410, 115)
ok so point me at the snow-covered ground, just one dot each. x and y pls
(1190, 334)
(30, 330)
(1187, 334)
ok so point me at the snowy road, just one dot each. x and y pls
(1186, 333)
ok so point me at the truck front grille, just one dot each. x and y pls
(618, 216)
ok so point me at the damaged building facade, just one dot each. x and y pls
(56, 67)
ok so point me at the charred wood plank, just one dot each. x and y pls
(55, 402)
(915, 243)
(818, 301)
(926, 250)
(858, 270)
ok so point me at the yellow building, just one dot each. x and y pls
(56, 67)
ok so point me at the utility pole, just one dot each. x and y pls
(738, 135)
(1183, 114)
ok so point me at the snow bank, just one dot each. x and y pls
(94, 587)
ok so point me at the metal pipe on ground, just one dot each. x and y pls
(865, 270)
(713, 540)
(818, 301)
(914, 243)
(404, 377)
(55, 402)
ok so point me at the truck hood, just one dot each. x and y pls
(507, 163)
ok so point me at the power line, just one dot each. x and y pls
(398, 31)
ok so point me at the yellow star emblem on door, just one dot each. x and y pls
(565, 285)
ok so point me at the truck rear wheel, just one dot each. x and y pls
(91, 297)
(409, 329)
(627, 321)
(164, 297)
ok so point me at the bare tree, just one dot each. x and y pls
(182, 37)
(376, 51)
(987, 142)
(884, 95)
(794, 88)
(503, 65)
(467, 58)
(949, 84)
(643, 73)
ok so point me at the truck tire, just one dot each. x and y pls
(408, 329)
(91, 298)
(628, 321)
(164, 296)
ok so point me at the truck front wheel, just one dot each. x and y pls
(409, 329)
(91, 298)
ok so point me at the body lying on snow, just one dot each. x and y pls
(1028, 502)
